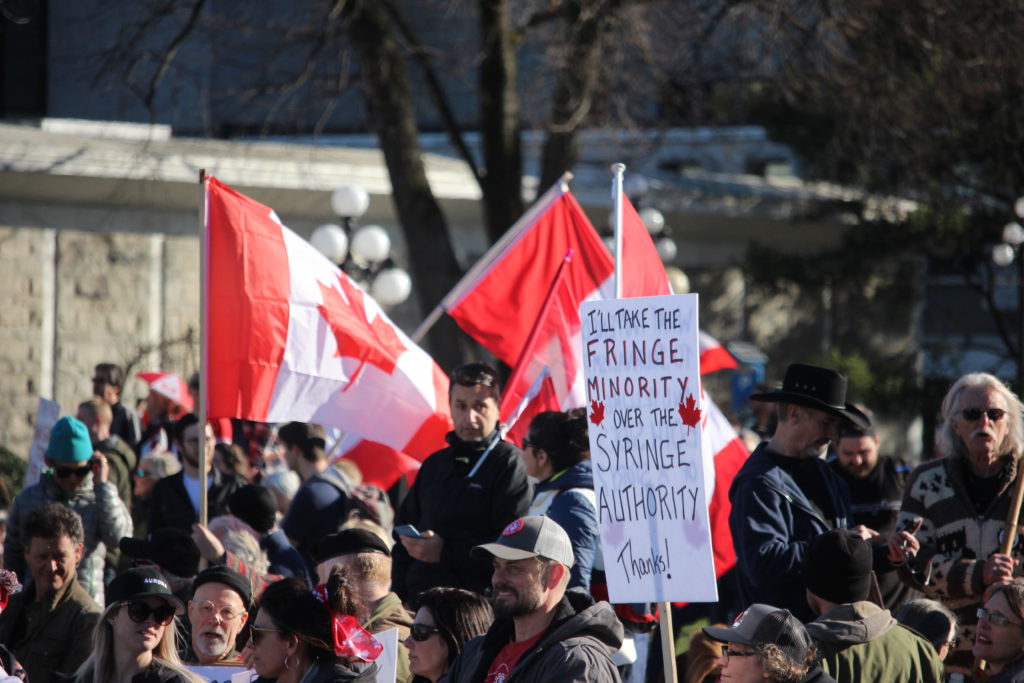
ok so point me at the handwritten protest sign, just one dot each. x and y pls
(641, 363)
(47, 415)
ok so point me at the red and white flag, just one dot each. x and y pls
(723, 455)
(713, 356)
(501, 302)
(291, 337)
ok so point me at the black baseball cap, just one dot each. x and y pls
(170, 549)
(762, 625)
(349, 542)
(141, 582)
(228, 577)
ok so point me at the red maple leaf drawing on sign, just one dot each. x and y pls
(689, 412)
(596, 412)
(374, 343)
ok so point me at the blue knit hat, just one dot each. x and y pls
(69, 441)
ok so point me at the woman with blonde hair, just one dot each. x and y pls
(135, 640)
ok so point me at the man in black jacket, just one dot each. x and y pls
(464, 494)
(541, 632)
(175, 499)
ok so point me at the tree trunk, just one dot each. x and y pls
(388, 98)
(499, 121)
(574, 88)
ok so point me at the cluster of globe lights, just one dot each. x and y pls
(369, 251)
(1013, 236)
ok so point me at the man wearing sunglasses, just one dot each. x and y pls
(961, 503)
(48, 625)
(78, 478)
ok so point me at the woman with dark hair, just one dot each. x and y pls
(446, 620)
(933, 620)
(311, 636)
(1000, 634)
(135, 639)
(556, 452)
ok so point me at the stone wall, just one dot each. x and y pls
(77, 298)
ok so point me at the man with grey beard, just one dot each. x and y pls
(541, 633)
(217, 611)
(785, 495)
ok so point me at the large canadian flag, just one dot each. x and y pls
(291, 337)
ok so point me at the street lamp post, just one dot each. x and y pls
(364, 253)
(1004, 254)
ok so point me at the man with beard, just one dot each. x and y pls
(217, 612)
(961, 501)
(175, 499)
(785, 494)
(541, 632)
(464, 494)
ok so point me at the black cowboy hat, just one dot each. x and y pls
(815, 387)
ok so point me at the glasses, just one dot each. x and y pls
(65, 472)
(140, 612)
(421, 632)
(256, 633)
(207, 610)
(142, 474)
(728, 652)
(101, 380)
(974, 414)
(995, 619)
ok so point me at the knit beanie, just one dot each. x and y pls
(69, 441)
(837, 567)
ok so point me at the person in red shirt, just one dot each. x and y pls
(541, 633)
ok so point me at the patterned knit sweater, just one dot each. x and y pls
(955, 541)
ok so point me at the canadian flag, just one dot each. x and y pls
(522, 303)
(291, 337)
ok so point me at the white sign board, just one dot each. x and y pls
(47, 415)
(642, 368)
(387, 662)
(221, 674)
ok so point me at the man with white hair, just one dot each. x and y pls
(961, 502)
(541, 632)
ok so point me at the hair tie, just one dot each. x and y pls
(350, 639)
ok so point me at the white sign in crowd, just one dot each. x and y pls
(641, 363)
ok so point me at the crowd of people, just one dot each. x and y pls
(851, 566)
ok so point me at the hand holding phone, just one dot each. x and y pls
(407, 530)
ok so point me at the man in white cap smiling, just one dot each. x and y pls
(541, 633)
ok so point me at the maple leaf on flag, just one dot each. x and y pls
(596, 412)
(374, 343)
(689, 412)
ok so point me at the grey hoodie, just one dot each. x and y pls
(860, 642)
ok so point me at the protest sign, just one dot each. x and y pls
(222, 674)
(641, 362)
(47, 415)
(387, 663)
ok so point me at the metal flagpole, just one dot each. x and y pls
(204, 245)
(618, 170)
(454, 296)
(668, 645)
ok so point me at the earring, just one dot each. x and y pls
(289, 668)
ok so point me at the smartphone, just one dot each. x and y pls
(407, 530)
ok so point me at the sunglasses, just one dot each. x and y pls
(421, 632)
(974, 414)
(65, 472)
(729, 652)
(256, 633)
(140, 612)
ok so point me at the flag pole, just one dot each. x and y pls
(668, 645)
(459, 290)
(204, 244)
(618, 170)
